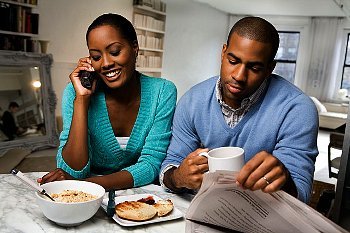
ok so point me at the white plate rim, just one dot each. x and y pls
(175, 214)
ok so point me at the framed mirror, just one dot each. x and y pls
(27, 101)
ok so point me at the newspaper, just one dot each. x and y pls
(221, 203)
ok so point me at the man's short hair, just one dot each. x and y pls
(13, 105)
(258, 29)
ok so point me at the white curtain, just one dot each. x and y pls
(325, 55)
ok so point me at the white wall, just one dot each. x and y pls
(194, 37)
(64, 24)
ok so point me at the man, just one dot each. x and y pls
(8, 121)
(249, 107)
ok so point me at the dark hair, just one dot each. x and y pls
(13, 105)
(120, 23)
(258, 29)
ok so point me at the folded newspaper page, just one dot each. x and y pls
(221, 202)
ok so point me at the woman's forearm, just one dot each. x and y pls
(114, 181)
(75, 152)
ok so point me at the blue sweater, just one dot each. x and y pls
(148, 141)
(284, 122)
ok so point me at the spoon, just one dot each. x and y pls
(31, 183)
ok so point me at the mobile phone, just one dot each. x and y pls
(86, 78)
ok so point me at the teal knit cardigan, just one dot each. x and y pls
(148, 141)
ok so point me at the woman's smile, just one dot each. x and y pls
(112, 75)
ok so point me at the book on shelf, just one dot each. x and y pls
(148, 61)
(154, 4)
(221, 206)
(150, 42)
(31, 2)
(8, 17)
(4, 16)
(148, 3)
(16, 18)
(146, 21)
(32, 26)
(20, 20)
(18, 43)
(10, 42)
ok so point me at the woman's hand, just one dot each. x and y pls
(57, 174)
(83, 64)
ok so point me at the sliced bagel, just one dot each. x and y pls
(134, 210)
(164, 207)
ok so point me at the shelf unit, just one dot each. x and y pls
(150, 28)
(19, 25)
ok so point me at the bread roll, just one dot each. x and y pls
(134, 210)
(163, 207)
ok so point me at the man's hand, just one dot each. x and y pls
(57, 174)
(190, 172)
(265, 172)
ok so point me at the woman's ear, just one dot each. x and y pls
(135, 46)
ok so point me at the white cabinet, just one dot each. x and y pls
(149, 22)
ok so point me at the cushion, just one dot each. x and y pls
(334, 115)
(320, 107)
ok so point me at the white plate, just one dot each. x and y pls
(174, 214)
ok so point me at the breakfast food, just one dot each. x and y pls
(70, 196)
(148, 200)
(143, 209)
(164, 207)
(135, 210)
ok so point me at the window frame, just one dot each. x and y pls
(347, 49)
(287, 61)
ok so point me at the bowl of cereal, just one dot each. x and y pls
(75, 201)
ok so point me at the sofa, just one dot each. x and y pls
(331, 115)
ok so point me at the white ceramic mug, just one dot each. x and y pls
(225, 158)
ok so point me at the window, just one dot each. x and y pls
(345, 82)
(286, 56)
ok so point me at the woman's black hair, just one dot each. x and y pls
(124, 26)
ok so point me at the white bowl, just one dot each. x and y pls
(70, 214)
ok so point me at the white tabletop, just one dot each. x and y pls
(19, 211)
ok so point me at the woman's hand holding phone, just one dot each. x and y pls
(83, 77)
(86, 79)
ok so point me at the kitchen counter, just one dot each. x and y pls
(19, 211)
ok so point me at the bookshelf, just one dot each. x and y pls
(19, 25)
(149, 21)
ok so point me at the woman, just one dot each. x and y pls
(120, 129)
